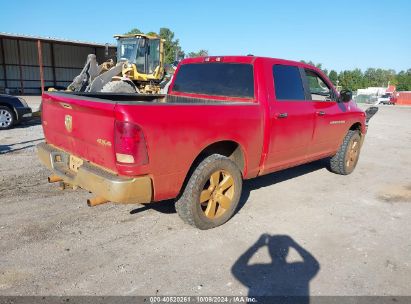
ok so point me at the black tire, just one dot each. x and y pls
(343, 162)
(188, 205)
(118, 87)
(7, 118)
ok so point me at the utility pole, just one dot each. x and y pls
(177, 56)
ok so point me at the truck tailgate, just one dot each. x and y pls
(83, 128)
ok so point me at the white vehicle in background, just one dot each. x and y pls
(384, 99)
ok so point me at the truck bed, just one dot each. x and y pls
(173, 126)
(127, 98)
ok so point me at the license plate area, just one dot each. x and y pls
(75, 163)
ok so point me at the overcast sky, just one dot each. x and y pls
(338, 34)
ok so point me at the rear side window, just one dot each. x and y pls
(288, 83)
(218, 79)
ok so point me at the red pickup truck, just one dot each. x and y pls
(225, 119)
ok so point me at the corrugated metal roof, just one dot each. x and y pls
(61, 40)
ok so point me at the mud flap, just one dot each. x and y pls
(369, 113)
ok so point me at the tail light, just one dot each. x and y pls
(129, 144)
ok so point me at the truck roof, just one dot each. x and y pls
(245, 59)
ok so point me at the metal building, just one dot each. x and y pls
(21, 58)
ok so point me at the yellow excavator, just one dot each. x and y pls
(139, 68)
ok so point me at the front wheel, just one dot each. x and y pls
(346, 159)
(7, 119)
(212, 193)
(118, 87)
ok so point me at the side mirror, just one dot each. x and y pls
(345, 95)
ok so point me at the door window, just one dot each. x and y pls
(153, 55)
(288, 83)
(318, 88)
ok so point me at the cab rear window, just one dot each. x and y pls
(216, 79)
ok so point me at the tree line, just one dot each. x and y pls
(372, 77)
(347, 79)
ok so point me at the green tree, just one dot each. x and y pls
(200, 53)
(392, 77)
(378, 77)
(403, 79)
(333, 75)
(351, 80)
(134, 31)
(171, 45)
(318, 65)
(152, 34)
(181, 55)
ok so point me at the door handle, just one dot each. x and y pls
(282, 115)
(320, 113)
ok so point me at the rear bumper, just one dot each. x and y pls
(102, 183)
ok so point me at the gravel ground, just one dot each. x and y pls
(344, 235)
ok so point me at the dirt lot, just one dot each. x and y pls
(345, 235)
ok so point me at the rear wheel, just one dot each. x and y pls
(212, 193)
(7, 118)
(346, 159)
(118, 87)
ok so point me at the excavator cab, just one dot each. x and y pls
(144, 55)
(139, 68)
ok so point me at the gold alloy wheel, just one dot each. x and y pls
(217, 195)
(352, 154)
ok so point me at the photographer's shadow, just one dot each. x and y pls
(280, 277)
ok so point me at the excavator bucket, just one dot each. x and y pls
(88, 73)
